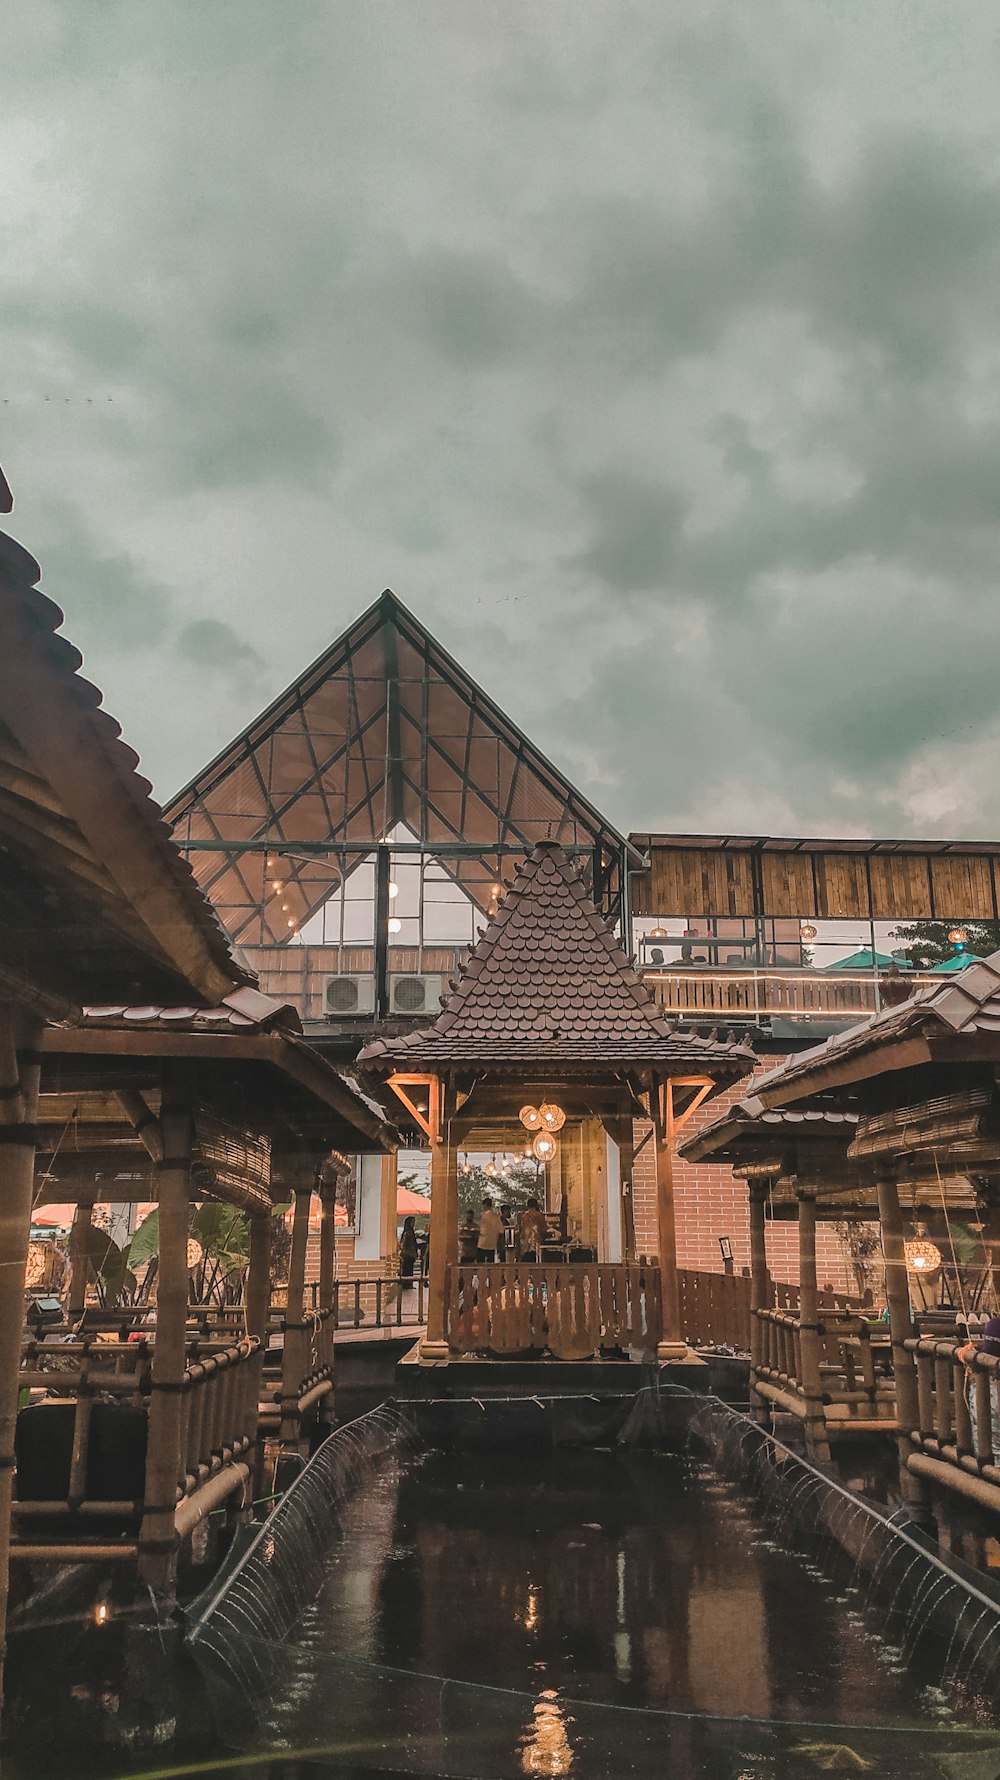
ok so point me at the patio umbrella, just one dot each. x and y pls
(411, 1205)
(864, 960)
(958, 962)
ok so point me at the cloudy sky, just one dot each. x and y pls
(651, 353)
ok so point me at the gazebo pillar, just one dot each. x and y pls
(19, 1077)
(444, 1226)
(158, 1540)
(760, 1291)
(79, 1253)
(301, 1174)
(327, 1246)
(811, 1382)
(672, 1345)
(913, 1490)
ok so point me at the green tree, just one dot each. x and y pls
(514, 1186)
(927, 942)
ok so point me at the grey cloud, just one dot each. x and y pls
(211, 644)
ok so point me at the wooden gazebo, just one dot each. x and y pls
(126, 1028)
(549, 1012)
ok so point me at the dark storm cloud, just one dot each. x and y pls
(651, 354)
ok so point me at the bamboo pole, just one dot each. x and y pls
(257, 1304)
(817, 1444)
(20, 1069)
(913, 1488)
(444, 1233)
(158, 1541)
(760, 1295)
(79, 1255)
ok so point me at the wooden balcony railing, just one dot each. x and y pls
(959, 1409)
(742, 992)
(572, 1309)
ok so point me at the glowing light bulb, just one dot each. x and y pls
(530, 1118)
(552, 1116)
(544, 1147)
(395, 924)
(393, 890)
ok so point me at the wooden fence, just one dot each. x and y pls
(574, 1310)
(715, 1309)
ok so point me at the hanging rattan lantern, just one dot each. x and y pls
(530, 1118)
(551, 1115)
(921, 1256)
(195, 1254)
(544, 1147)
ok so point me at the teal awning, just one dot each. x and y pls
(863, 961)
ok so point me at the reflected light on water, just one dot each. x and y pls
(531, 1614)
(545, 1746)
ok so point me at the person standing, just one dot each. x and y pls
(490, 1231)
(407, 1252)
(531, 1231)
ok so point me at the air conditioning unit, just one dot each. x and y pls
(347, 995)
(415, 995)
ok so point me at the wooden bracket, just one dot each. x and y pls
(675, 1121)
(429, 1122)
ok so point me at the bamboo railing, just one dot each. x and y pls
(958, 1434)
(571, 1309)
(70, 1378)
(742, 992)
(854, 1384)
(220, 1413)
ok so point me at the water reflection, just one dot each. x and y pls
(545, 1747)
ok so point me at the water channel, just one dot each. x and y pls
(583, 1613)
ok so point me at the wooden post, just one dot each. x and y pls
(672, 1345)
(158, 1540)
(19, 1076)
(79, 1254)
(294, 1352)
(811, 1382)
(913, 1489)
(327, 1246)
(760, 1294)
(444, 1231)
(388, 1246)
(257, 1305)
(622, 1130)
(990, 1213)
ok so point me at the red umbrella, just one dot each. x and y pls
(411, 1205)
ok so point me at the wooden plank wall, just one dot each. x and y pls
(822, 885)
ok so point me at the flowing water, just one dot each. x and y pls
(579, 1613)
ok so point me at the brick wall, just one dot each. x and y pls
(710, 1202)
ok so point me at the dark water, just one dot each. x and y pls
(583, 1614)
(592, 1614)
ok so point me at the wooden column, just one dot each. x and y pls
(621, 1129)
(811, 1382)
(760, 1293)
(388, 1246)
(914, 1491)
(158, 1540)
(673, 1345)
(444, 1228)
(79, 1254)
(295, 1349)
(990, 1212)
(19, 1076)
(327, 1246)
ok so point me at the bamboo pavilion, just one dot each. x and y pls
(917, 1089)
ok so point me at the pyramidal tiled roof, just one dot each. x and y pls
(549, 979)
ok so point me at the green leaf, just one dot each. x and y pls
(146, 1241)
